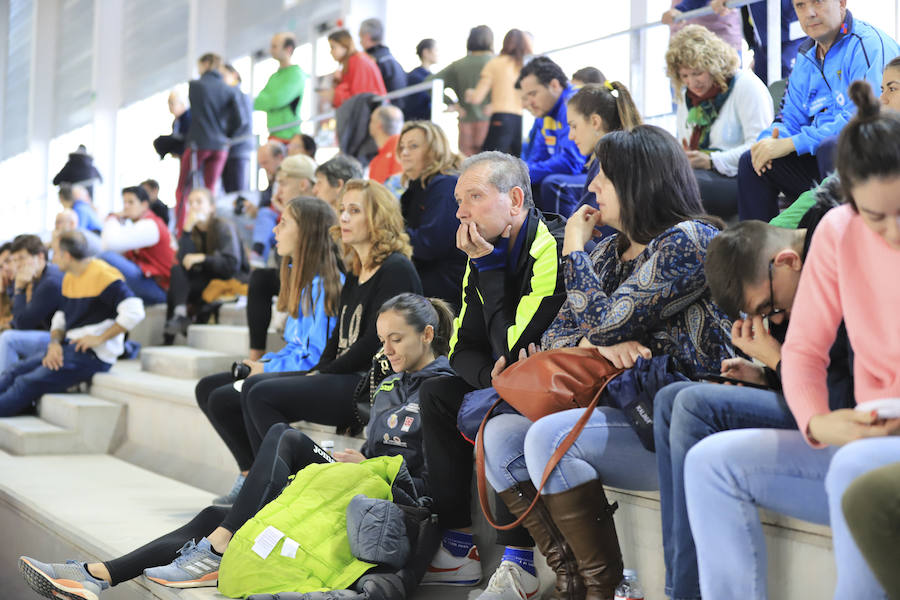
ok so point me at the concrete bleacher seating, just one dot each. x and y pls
(94, 476)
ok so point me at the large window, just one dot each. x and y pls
(137, 126)
(57, 154)
(20, 201)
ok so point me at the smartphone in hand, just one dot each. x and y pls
(716, 378)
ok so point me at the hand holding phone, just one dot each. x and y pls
(715, 378)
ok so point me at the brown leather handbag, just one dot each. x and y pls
(540, 385)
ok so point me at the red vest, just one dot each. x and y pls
(155, 261)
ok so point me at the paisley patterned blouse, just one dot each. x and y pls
(660, 299)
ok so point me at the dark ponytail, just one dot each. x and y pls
(611, 101)
(420, 312)
(869, 145)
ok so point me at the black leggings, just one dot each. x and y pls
(242, 419)
(504, 134)
(283, 452)
(264, 285)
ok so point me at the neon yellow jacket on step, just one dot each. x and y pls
(311, 515)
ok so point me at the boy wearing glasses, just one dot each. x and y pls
(753, 270)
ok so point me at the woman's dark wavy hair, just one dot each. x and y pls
(653, 179)
(869, 145)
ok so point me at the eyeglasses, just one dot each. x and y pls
(773, 311)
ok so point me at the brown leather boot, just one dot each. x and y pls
(548, 538)
(585, 518)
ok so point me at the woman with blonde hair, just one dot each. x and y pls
(498, 78)
(721, 112)
(430, 171)
(376, 252)
(359, 73)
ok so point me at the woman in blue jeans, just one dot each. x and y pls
(641, 292)
(802, 473)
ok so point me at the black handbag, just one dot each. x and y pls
(364, 394)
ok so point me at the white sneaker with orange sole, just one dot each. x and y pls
(447, 569)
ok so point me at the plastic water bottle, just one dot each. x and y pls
(630, 588)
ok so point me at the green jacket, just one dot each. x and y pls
(281, 99)
(311, 516)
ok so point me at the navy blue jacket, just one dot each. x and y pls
(46, 296)
(393, 74)
(216, 112)
(430, 215)
(417, 107)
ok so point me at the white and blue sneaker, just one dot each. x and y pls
(69, 580)
(196, 566)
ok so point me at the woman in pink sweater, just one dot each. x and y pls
(852, 272)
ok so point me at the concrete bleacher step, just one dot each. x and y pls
(66, 424)
(230, 339)
(167, 433)
(90, 508)
(29, 434)
(149, 332)
(98, 424)
(186, 362)
(233, 313)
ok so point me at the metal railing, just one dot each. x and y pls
(435, 86)
(773, 30)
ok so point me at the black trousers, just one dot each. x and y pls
(288, 397)
(791, 175)
(449, 460)
(185, 287)
(504, 134)
(264, 285)
(221, 404)
(236, 174)
(718, 193)
(284, 452)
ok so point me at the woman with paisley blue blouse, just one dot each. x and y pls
(640, 292)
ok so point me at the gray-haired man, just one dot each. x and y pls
(513, 288)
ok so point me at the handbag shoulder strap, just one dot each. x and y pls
(551, 464)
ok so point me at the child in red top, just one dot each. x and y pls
(359, 73)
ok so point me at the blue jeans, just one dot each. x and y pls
(28, 380)
(849, 463)
(266, 219)
(17, 344)
(143, 287)
(683, 414)
(729, 475)
(559, 193)
(608, 449)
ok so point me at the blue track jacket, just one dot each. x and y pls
(815, 104)
(549, 148)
